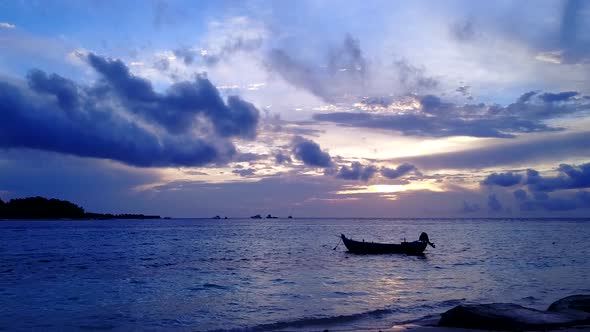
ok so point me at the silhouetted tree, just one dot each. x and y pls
(40, 208)
(43, 208)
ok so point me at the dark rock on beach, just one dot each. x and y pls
(575, 304)
(567, 312)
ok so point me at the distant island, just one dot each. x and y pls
(44, 208)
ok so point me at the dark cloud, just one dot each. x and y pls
(557, 97)
(296, 73)
(569, 177)
(413, 78)
(244, 172)
(470, 207)
(520, 195)
(59, 115)
(63, 89)
(310, 153)
(401, 170)
(435, 118)
(540, 196)
(525, 97)
(356, 171)
(494, 204)
(177, 110)
(117, 76)
(564, 203)
(502, 179)
(348, 58)
(464, 90)
(561, 199)
(281, 158)
(186, 54)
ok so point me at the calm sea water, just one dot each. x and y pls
(275, 274)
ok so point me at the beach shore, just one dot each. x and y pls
(571, 313)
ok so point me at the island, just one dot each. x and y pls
(44, 208)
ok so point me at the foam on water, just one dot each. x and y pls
(275, 274)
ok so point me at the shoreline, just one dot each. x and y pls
(571, 313)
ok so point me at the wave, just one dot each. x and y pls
(308, 322)
(342, 319)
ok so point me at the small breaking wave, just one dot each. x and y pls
(308, 322)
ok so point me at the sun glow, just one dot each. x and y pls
(388, 188)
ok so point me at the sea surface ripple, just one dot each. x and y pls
(238, 274)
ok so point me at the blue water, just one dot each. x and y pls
(275, 274)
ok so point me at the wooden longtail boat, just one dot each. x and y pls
(408, 248)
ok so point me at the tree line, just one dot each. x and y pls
(44, 208)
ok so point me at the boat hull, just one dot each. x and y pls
(408, 248)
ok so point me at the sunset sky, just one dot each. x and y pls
(310, 108)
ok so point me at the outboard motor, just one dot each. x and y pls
(424, 238)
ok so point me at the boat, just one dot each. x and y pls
(256, 217)
(408, 248)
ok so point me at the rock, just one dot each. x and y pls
(505, 316)
(575, 303)
(577, 307)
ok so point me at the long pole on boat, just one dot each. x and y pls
(340, 241)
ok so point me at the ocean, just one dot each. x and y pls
(276, 274)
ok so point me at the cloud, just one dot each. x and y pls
(413, 78)
(520, 195)
(401, 170)
(557, 97)
(463, 31)
(244, 172)
(66, 91)
(570, 177)
(310, 153)
(246, 43)
(57, 114)
(186, 54)
(470, 207)
(494, 204)
(177, 110)
(525, 151)
(502, 179)
(344, 73)
(464, 90)
(356, 171)
(7, 25)
(281, 158)
(564, 41)
(436, 118)
(347, 73)
(97, 185)
(573, 39)
(579, 200)
(296, 73)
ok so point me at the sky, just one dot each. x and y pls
(309, 108)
